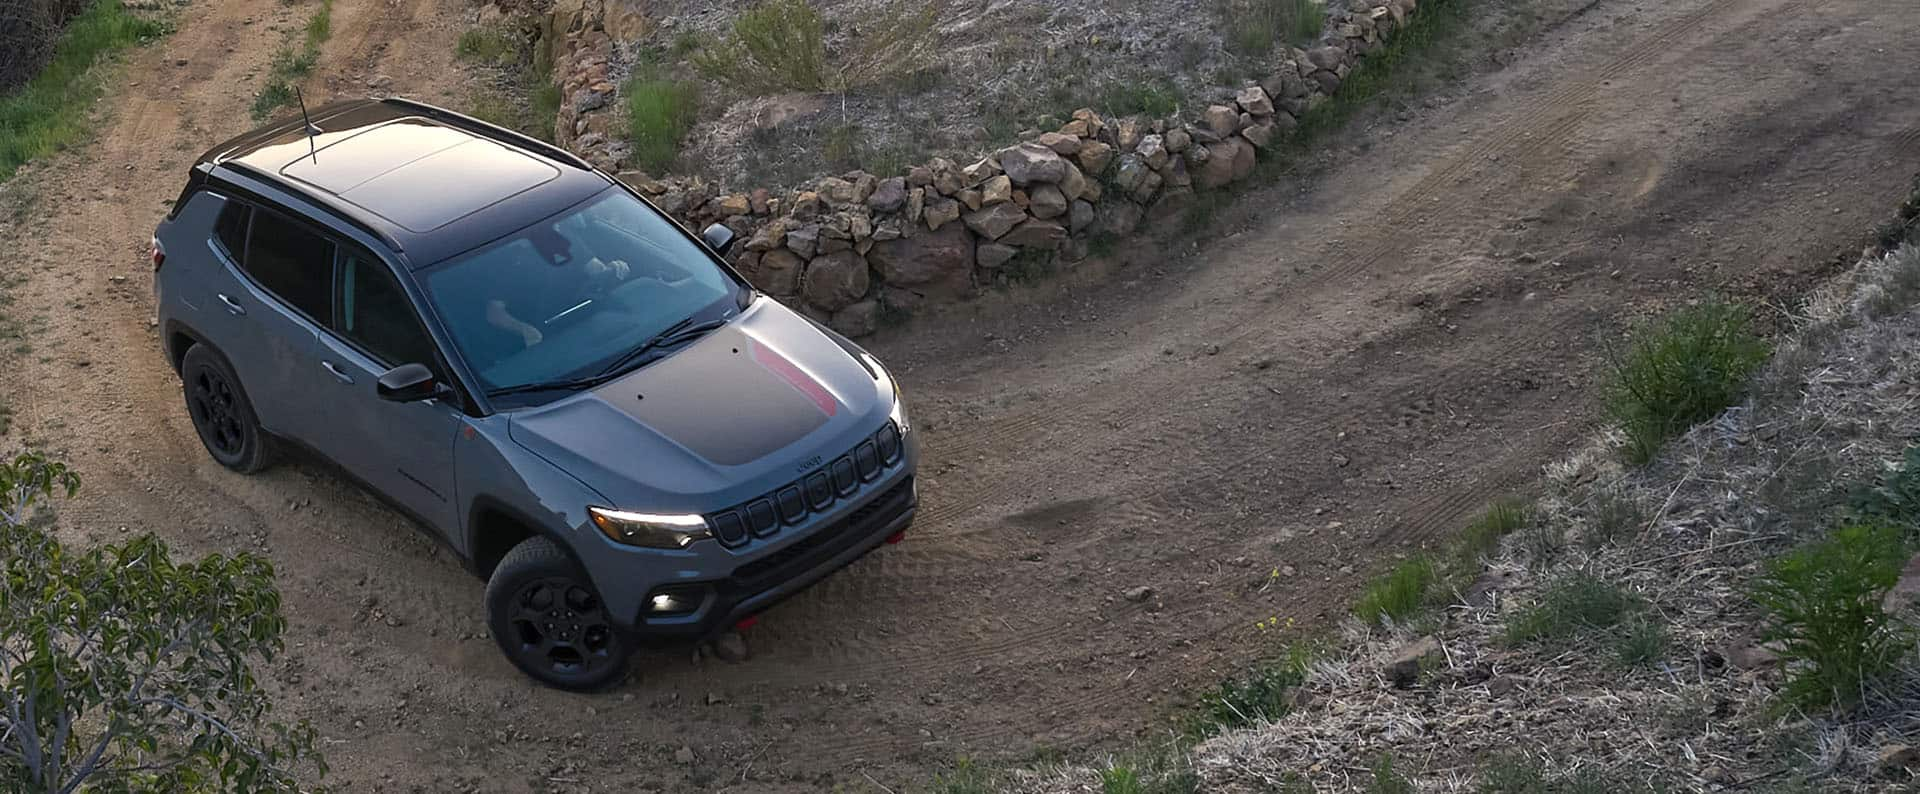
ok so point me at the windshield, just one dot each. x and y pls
(570, 295)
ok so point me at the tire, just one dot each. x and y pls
(221, 412)
(549, 620)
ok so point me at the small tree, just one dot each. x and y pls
(123, 671)
(1824, 608)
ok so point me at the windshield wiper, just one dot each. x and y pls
(673, 335)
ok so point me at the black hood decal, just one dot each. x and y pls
(729, 399)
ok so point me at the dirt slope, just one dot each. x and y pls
(1406, 337)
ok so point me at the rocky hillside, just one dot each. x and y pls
(1613, 642)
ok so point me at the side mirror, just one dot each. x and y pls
(407, 383)
(718, 237)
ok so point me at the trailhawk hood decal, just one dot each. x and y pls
(688, 423)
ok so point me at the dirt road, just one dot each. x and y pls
(1250, 430)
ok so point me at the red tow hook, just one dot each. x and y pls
(896, 537)
(746, 623)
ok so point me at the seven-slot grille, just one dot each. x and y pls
(817, 492)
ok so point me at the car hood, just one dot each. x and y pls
(737, 410)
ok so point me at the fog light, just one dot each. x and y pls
(677, 600)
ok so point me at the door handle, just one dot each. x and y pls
(338, 373)
(233, 307)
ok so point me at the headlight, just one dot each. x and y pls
(899, 412)
(650, 530)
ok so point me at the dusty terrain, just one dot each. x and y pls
(1414, 337)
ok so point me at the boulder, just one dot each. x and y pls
(995, 220)
(1061, 143)
(1149, 185)
(984, 169)
(733, 204)
(942, 211)
(1092, 120)
(1243, 162)
(1035, 233)
(920, 176)
(1127, 133)
(1406, 666)
(947, 179)
(890, 229)
(1128, 175)
(1254, 100)
(1177, 140)
(1046, 201)
(1080, 217)
(1328, 81)
(863, 185)
(805, 240)
(937, 265)
(1221, 120)
(992, 255)
(779, 273)
(997, 190)
(1119, 218)
(916, 204)
(1283, 122)
(768, 237)
(1260, 135)
(1327, 58)
(857, 320)
(1094, 157)
(1216, 169)
(1173, 202)
(758, 201)
(1899, 759)
(1029, 164)
(836, 191)
(1152, 150)
(1176, 173)
(971, 197)
(889, 195)
(1074, 184)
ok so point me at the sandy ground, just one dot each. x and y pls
(1362, 361)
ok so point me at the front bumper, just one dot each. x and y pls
(761, 583)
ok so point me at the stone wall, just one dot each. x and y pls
(841, 248)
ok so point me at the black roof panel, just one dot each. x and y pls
(434, 183)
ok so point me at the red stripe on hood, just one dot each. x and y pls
(798, 378)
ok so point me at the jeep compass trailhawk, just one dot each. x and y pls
(582, 399)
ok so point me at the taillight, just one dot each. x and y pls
(158, 254)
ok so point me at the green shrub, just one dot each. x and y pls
(1484, 534)
(1609, 516)
(1262, 697)
(1150, 97)
(1387, 780)
(291, 64)
(490, 46)
(1681, 370)
(128, 670)
(1895, 499)
(1641, 643)
(1119, 780)
(966, 777)
(1573, 605)
(1823, 608)
(780, 45)
(659, 113)
(1398, 594)
(50, 111)
(1253, 26)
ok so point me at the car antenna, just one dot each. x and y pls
(311, 130)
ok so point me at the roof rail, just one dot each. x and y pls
(341, 209)
(488, 130)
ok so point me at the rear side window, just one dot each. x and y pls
(231, 228)
(375, 314)
(291, 262)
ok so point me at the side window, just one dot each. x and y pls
(375, 314)
(231, 228)
(291, 262)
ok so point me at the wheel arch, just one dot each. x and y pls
(495, 527)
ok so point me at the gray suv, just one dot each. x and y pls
(581, 399)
